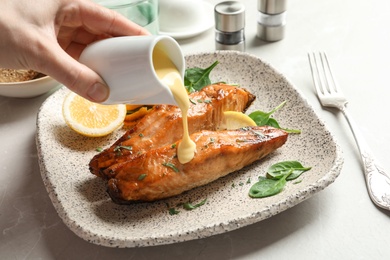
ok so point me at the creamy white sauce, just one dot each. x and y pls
(170, 76)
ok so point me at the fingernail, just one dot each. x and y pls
(98, 92)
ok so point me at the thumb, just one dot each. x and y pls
(76, 76)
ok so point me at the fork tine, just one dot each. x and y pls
(328, 93)
(315, 74)
(323, 78)
(329, 75)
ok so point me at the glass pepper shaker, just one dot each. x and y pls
(230, 26)
(271, 19)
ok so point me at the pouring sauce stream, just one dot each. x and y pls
(170, 76)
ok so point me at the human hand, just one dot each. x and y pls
(49, 36)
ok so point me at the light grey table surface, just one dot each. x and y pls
(339, 222)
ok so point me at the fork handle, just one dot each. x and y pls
(377, 180)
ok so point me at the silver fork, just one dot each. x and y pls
(330, 95)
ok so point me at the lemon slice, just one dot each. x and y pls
(234, 120)
(92, 119)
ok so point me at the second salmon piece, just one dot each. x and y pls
(157, 173)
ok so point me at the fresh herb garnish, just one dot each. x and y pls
(190, 206)
(207, 101)
(264, 118)
(173, 211)
(99, 149)
(196, 78)
(242, 140)
(118, 147)
(186, 206)
(142, 176)
(172, 166)
(278, 170)
(267, 187)
(277, 177)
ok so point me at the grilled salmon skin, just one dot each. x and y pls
(157, 174)
(163, 125)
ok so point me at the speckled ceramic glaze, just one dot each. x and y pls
(82, 202)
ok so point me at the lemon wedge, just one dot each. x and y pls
(92, 119)
(234, 120)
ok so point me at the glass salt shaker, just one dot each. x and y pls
(271, 19)
(230, 26)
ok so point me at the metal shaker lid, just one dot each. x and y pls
(229, 16)
(272, 6)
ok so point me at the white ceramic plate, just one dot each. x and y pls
(81, 200)
(185, 19)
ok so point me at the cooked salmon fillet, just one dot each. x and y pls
(157, 174)
(163, 125)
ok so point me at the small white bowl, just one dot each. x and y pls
(29, 88)
(183, 19)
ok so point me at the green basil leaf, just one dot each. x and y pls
(196, 78)
(272, 122)
(277, 176)
(264, 118)
(293, 168)
(261, 118)
(267, 187)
